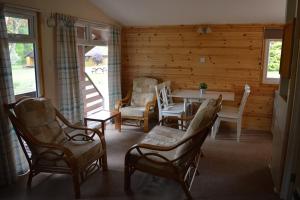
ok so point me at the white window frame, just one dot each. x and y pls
(32, 37)
(266, 60)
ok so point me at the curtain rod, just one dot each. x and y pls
(98, 23)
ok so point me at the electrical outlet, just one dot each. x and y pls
(202, 60)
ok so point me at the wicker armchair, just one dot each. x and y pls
(55, 145)
(140, 102)
(173, 153)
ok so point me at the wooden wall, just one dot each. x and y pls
(233, 56)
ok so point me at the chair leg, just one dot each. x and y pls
(127, 180)
(179, 124)
(186, 190)
(76, 185)
(215, 128)
(104, 162)
(239, 129)
(146, 125)
(201, 154)
(29, 180)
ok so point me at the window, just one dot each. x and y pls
(272, 61)
(272, 55)
(22, 32)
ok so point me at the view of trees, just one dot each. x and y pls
(17, 25)
(274, 55)
(18, 50)
(21, 56)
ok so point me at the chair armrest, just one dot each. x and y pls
(88, 137)
(95, 131)
(149, 106)
(61, 148)
(149, 156)
(125, 101)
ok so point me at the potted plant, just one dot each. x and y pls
(202, 87)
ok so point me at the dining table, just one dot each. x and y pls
(188, 95)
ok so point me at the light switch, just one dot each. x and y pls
(202, 59)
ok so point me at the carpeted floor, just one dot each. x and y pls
(229, 170)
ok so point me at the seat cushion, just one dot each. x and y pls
(162, 136)
(174, 108)
(39, 118)
(229, 112)
(85, 152)
(132, 111)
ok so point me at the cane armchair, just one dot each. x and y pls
(55, 145)
(172, 153)
(140, 102)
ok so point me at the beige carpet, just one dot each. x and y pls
(229, 170)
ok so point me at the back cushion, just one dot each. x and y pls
(143, 91)
(197, 121)
(39, 118)
(205, 113)
(140, 99)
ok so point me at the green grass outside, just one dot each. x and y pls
(23, 79)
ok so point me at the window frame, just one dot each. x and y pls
(88, 41)
(32, 37)
(267, 80)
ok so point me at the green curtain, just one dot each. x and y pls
(114, 66)
(68, 83)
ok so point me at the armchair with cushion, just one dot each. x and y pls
(139, 103)
(55, 145)
(173, 153)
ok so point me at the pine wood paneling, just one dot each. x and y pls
(233, 56)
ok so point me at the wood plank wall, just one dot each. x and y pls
(233, 56)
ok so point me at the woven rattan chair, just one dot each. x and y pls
(173, 153)
(140, 102)
(55, 145)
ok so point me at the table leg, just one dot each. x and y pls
(103, 126)
(85, 124)
(118, 122)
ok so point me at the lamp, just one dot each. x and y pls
(204, 30)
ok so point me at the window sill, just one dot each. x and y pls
(271, 81)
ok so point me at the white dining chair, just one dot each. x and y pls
(232, 114)
(165, 104)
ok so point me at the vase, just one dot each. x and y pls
(202, 91)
